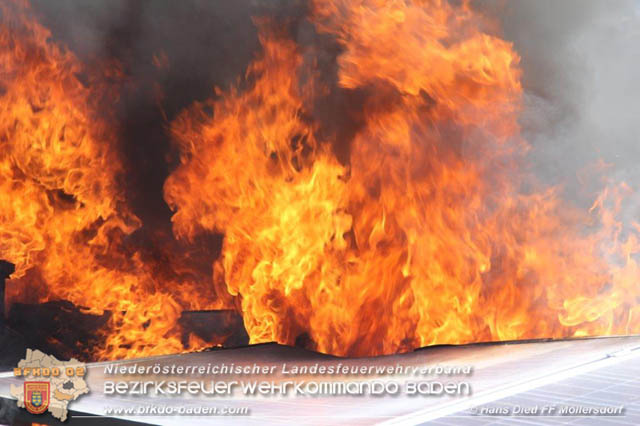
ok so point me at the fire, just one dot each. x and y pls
(63, 215)
(432, 233)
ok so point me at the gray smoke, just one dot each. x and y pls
(581, 62)
(580, 59)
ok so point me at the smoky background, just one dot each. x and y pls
(580, 62)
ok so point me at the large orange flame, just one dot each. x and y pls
(63, 215)
(432, 233)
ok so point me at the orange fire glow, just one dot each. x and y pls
(62, 211)
(427, 235)
(430, 232)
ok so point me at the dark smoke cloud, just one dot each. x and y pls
(201, 44)
(580, 60)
